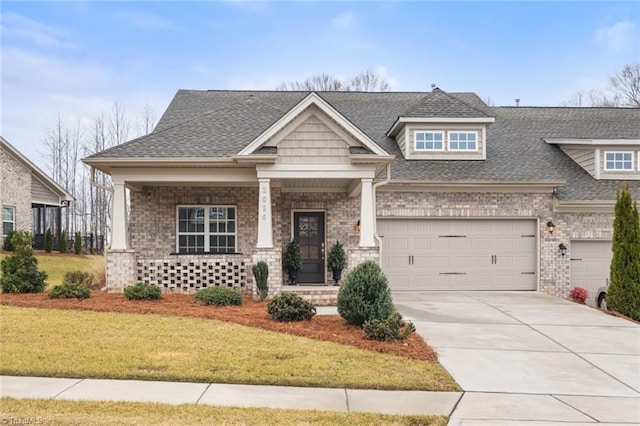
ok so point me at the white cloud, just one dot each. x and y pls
(146, 21)
(344, 20)
(20, 27)
(617, 37)
(383, 72)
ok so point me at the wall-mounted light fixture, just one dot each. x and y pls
(356, 227)
(563, 249)
(550, 227)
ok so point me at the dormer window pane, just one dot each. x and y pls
(429, 141)
(618, 161)
(463, 141)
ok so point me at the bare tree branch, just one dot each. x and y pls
(626, 85)
(366, 81)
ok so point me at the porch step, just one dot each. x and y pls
(318, 295)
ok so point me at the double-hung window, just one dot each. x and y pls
(8, 221)
(429, 141)
(463, 141)
(618, 161)
(206, 229)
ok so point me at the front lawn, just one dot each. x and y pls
(57, 412)
(69, 343)
(56, 265)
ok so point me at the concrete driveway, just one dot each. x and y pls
(530, 357)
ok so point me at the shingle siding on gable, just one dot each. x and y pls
(313, 142)
(41, 194)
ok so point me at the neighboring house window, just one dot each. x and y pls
(618, 160)
(429, 141)
(463, 141)
(206, 229)
(8, 221)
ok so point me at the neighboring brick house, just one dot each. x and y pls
(30, 200)
(444, 191)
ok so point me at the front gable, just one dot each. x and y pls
(313, 124)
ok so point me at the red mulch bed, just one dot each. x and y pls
(332, 328)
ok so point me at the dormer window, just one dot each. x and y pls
(463, 141)
(429, 141)
(618, 160)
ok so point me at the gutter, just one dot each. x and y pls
(375, 222)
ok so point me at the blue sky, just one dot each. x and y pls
(78, 58)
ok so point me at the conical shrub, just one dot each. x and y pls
(364, 295)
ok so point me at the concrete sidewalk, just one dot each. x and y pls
(325, 399)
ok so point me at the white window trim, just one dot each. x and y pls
(619, 170)
(13, 222)
(463, 131)
(206, 232)
(415, 141)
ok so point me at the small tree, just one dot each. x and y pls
(365, 295)
(7, 245)
(48, 241)
(20, 272)
(292, 260)
(77, 243)
(261, 274)
(62, 246)
(623, 294)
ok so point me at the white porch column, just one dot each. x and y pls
(265, 232)
(367, 214)
(119, 226)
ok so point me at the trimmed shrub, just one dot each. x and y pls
(62, 247)
(623, 294)
(287, 307)
(20, 272)
(578, 295)
(77, 243)
(78, 277)
(142, 291)
(70, 291)
(364, 295)
(48, 241)
(7, 244)
(218, 296)
(261, 274)
(390, 328)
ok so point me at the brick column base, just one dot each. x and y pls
(273, 257)
(359, 255)
(120, 269)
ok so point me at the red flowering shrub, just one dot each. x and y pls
(578, 295)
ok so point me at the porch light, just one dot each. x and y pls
(356, 227)
(563, 249)
(550, 227)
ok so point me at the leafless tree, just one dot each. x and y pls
(623, 91)
(626, 85)
(366, 81)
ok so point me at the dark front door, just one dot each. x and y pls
(308, 231)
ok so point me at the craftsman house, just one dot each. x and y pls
(30, 200)
(444, 191)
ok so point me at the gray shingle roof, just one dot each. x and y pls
(221, 123)
(441, 104)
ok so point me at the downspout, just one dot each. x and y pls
(375, 221)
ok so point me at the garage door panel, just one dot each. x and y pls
(590, 263)
(461, 254)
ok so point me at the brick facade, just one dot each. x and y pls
(15, 189)
(153, 232)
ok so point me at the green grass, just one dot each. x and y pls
(64, 343)
(57, 265)
(58, 412)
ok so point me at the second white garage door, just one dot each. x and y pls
(421, 254)
(590, 262)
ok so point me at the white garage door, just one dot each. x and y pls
(590, 261)
(452, 254)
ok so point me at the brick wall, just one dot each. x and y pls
(15, 189)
